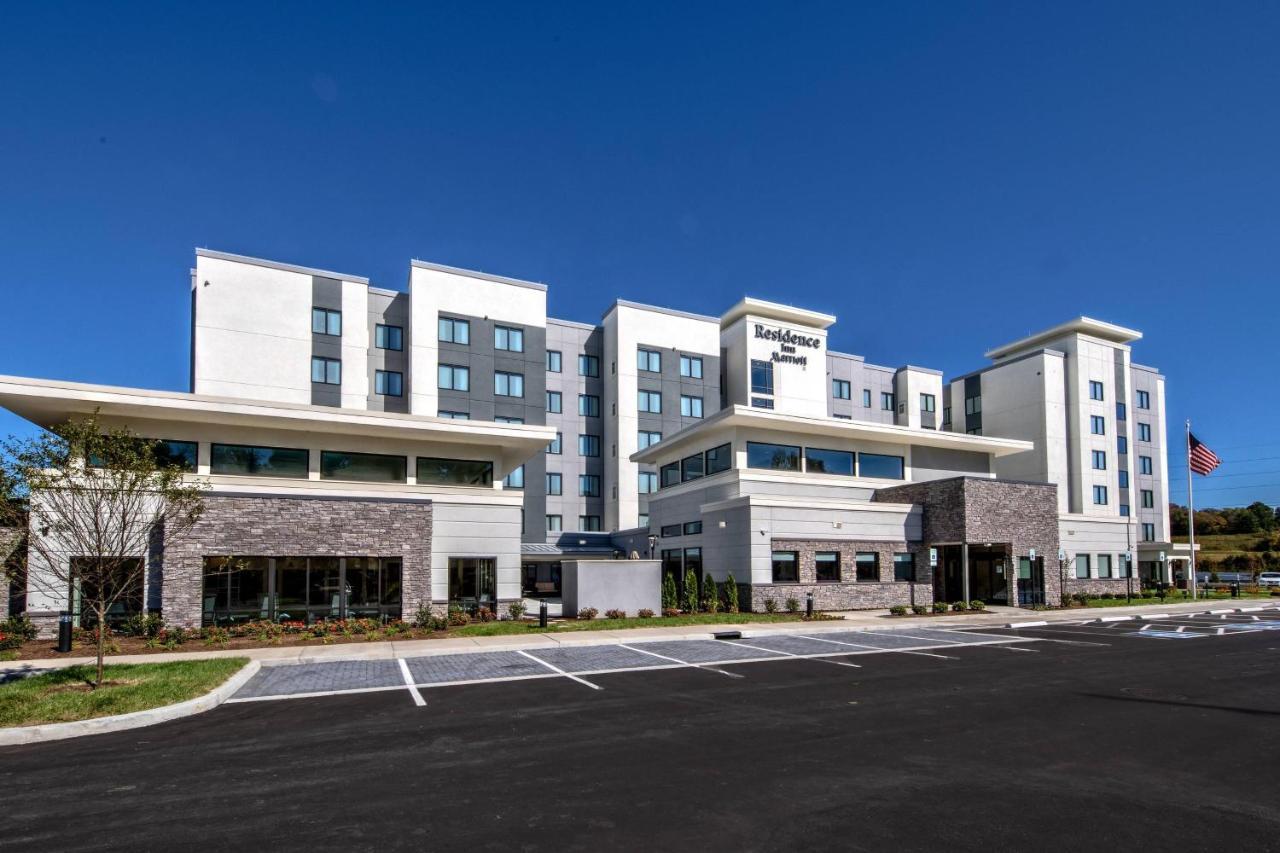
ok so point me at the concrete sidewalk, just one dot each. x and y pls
(879, 620)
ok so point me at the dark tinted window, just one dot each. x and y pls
(818, 461)
(778, 457)
(258, 461)
(362, 467)
(455, 472)
(877, 465)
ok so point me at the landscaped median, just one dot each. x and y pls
(62, 703)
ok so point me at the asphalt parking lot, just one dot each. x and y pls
(1058, 737)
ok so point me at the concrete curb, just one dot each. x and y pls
(135, 720)
(1038, 624)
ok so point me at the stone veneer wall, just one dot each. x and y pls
(1097, 586)
(848, 593)
(10, 540)
(301, 527)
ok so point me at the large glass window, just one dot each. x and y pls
(389, 383)
(258, 461)
(588, 365)
(818, 461)
(1082, 566)
(867, 565)
(691, 467)
(648, 482)
(648, 360)
(508, 338)
(372, 586)
(326, 370)
(690, 407)
(454, 378)
(670, 474)
(778, 457)
(388, 337)
(649, 401)
(841, 389)
(514, 480)
(554, 361)
(880, 466)
(588, 445)
(589, 523)
(691, 366)
(589, 485)
(326, 321)
(589, 405)
(362, 467)
(455, 331)
(719, 459)
(786, 567)
(904, 567)
(304, 589)
(761, 377)
(646, 438)
(928, 403)
(827, 566)
(165, 452)
(1104, 565)
(454, 472)
(236, 589)
(508, 384)
(973, 405)
(555, 523)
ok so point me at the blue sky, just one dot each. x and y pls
(943, 177)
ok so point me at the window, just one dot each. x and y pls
(669, 530)
(326, 370)
(690, 407)
(928, 403)
(1124, 479)
(841, 389)
(555, 483)
(1122, 412)
(588, 445)
(642, 520)
(165, 452)
(589, 523)
(818, 461)
(692, 528)
(691, 467)
(1104, 565)
(514, 480)
(827, 566)
(454, 378)
(325, 321)
(649, 401)
(455, 331)
(556, 447)
(1082, 566)
(1099, 460)
(646, 438)
(1097, 425)
(1148, 499)
(904, 567)
(719, 459)
(555, 403)
(388, 337)
(946, 416)
(670, 474)
(786, 567)
(508, 338)
(866, 398)
(886, 401)
(1124, 510)
(1095, 391)
(761, 403)
(454, 472)
(1122, 444)
(389, 383)
(840, 417)
(555, 523)
(508, 384)
(1144, 400)
(1148, 532)
(867, 566)
(973, 405)
(776, 457)
(648, 482)
(453, 416)
(1144, 464)
(589, 485)
(258, 461)
(588, 365)
(1100, 495)
(691, 366)
(648, 360)
(881, 466)
(588, 405)
(761, 377)
(1144, 432)
(554, 361)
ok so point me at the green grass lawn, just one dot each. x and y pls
(1224, 544)
(494, 629)
(62, 695)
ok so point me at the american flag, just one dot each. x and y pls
(1202, 459)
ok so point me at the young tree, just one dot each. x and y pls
(730, 594)
(98, 501)
(710, 594)
(669, 600)
(690, 602)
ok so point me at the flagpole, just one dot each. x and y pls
(1191, 515)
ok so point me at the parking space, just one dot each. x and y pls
(1208, 624)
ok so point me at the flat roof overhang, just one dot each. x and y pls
(749, 306)
(745, 416)
(1081, 326)
(47, 402)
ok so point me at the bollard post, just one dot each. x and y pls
(808, 605)
(542, 614)
(64, 631)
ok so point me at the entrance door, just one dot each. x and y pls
(1030, 581)
(473, 583)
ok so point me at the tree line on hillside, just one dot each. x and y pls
(1257, 517)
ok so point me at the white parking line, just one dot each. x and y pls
(559, 670)
(682, 662)
(820, 658)
(313, 694)
(408, 680)
(1016, 649)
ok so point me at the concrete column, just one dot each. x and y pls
(964, 572)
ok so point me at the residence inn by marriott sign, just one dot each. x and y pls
(787, 342)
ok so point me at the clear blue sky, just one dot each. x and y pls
(944, 177)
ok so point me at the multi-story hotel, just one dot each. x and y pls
(372, 450)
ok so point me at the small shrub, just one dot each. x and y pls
(792, 604)
(919, 609)
(977, 605)
(645, 613)
(15, 631)
(898, 610)
(959, 607)
(670, 611)
(615, 614)
(730, 595)
(484, 614)
(770, 606)
(710, 594)
(1081, 598)
(142, 625)
(939, 607)
(458, 616)
(587, 613)
(516, 610)
(1106, 596)
(669, 592)
(215, 636)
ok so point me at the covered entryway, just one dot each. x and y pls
(973, 573)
